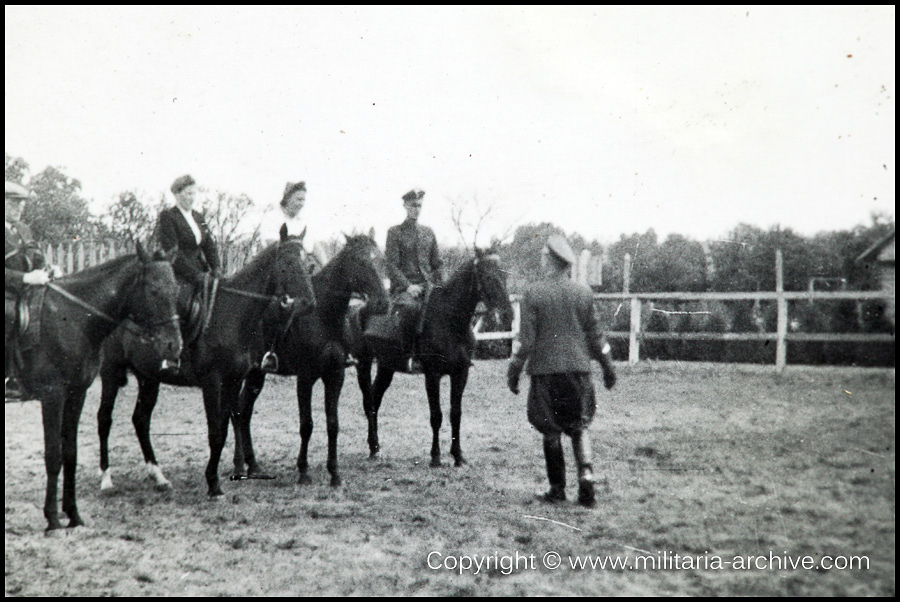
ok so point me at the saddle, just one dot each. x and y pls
(23, 328)
(199, 309)
(394, 336)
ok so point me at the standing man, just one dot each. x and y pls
(559, 336)
(182, 226)
(24, 265)
(414, 267)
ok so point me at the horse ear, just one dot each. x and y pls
(372, 234)
(139, 248)
(303, 234)
(283, 232)
(346, 237)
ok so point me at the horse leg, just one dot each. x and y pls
(253, 385)
(71, 415)
(52, 417)
(304, 405)
(364, 379)
(383, 378)
(148, 394)
(334, 382)
(112, 380)
(217, 414)
(457, 386)
(433, 389)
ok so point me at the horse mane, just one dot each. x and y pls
(97, 272)
(257, 265)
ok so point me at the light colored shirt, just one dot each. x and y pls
(192, 223)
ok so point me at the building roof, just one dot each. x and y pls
(872, 252)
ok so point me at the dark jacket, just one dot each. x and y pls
(412, 256)
(173, 229)
(22, 255)
(559, 329)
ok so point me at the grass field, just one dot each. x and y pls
(703, 461)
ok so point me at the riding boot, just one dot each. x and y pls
(556, 469)
(581, 445)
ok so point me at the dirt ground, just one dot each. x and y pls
(699, 462)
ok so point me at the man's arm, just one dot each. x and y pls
(597, 343)
(434, 260)
(527, 329)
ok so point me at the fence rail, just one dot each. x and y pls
(636, 334)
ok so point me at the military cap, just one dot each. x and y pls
(290, 188)
(413, 195)
(182, 183)
(16, 190)
(559, 246)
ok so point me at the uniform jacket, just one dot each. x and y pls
(22, 254)
(559, 329)
(173, 229)
(412, 256)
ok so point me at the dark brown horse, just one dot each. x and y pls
(76, 314)
(445, 348)
(219, 359)
(314, 348)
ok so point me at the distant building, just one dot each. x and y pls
(882, 255)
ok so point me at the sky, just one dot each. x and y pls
(602, 120)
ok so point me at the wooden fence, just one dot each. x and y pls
(636, 334)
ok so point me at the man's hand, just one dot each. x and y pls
(36, 278)
(55, 271)
(415, 290)
(609, 377)
(512, 379)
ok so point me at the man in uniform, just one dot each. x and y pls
(559, 336)
(414, 267)
(24, 266)
(182, 226)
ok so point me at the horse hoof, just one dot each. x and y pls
(335, 481)
(216, 493)
(460, 461)
(167, 486)
(55, 532)
(436, 463)
(304, 479)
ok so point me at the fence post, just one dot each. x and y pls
(626, 274)
(633, 341)
(781, 347)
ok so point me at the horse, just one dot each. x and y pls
(217, 361)
(446, 346)
(314, 348)
(75, 314)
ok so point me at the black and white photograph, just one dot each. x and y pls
(450, 300)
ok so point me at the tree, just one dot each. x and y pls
(58, 212)
(224, 213)
(133, 217)
(16, 169)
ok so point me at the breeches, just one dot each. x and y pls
(561, 403)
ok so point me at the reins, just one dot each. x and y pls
(100, 313)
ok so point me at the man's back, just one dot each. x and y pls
(559, 330)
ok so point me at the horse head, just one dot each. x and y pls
(490, 282)
(150, 302)
(289, 275)
(363, 265)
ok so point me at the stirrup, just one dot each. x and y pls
(414, 366)
(269, 362)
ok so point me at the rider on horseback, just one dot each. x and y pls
(24, 265)
(414, 267)
(291, 203)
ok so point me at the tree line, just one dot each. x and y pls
(741, 260)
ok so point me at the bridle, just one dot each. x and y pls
(144, 329)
